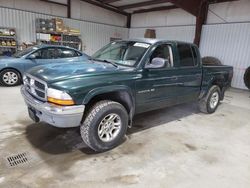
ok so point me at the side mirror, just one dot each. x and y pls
(31, 57)
(156, 63)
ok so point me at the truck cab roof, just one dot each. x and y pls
(155, 41)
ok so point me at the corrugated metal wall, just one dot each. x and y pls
(231, 44)
(228, 42)
(94, 36)
(182, 33)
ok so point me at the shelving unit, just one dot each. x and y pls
(77, 44)
(54, 32)
(8, 41)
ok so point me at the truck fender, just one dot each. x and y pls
(126, 95)
(106, 89)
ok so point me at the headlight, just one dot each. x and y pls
(59, 97)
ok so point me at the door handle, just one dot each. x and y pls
(174, 78)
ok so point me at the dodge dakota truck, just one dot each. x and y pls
(124, 78)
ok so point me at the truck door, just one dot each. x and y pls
(158, 86)
(189, 72)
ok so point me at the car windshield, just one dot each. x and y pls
(125, 53)
(24, 52)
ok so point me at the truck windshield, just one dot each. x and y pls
(24, 52)
(125, 53)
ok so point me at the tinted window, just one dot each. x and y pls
(47, 53)
(162, 51)
(124, 53)
(25, 52)
(186, 56)
(78, 53)
(66, 53)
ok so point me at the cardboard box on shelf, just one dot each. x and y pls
(59, 26)
(74, 32)
(150, 33)
(57, 21)
(66, 30)
(43, 36)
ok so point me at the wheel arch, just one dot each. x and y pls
(120, 94)
(12, 68)
(215, 81)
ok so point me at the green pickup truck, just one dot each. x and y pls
(124, 78)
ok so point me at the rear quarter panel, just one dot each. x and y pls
(220, 75)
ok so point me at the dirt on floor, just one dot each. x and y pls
(172, 147)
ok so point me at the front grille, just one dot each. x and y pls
(35, 87)
(39, 85)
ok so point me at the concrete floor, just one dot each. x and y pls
(173, 147)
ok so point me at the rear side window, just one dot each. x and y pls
(186, 55)
(195, 55)
(67, 53)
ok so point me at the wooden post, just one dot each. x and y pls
(200, 20)
(69, 8)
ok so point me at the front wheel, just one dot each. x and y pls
(10, 77)
(210, 103)
(104, 126)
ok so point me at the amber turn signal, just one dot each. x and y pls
(61, 102)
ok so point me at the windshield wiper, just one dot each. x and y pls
(105, 61)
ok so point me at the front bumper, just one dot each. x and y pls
(58, 116)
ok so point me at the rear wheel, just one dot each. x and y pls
(10, 77)
(247, 78)
(105, 125)
(210, 102)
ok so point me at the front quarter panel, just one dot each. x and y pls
(84, 88)
(17, 64)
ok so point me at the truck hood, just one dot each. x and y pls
(58, 72)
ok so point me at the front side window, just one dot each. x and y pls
(125, 53)
(25, 52)
(186, 56)
(162, 51)
(47, 53)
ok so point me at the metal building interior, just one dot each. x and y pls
(177, 146)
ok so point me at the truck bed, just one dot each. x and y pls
(220, 75)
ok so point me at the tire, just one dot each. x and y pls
(93, 131)
(247, 78)
(206, 104)
(211, 61)
(10, 77)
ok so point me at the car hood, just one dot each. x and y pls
(59, 72)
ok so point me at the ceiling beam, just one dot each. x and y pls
(105, 6)
(191, 6)
(109, 1)
(53, 2)
(142, 4)
(220, 1)
(155, 9)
